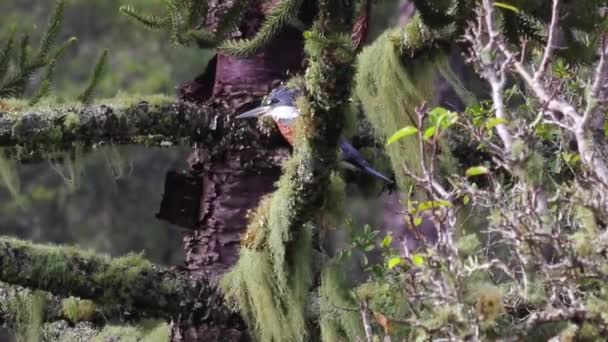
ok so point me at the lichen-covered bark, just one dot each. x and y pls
(132, 282)
(38, 132)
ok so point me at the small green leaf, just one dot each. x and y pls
(437, 114)
(417, 221)
(430, 132)
(493, 122)
(417, 260)
(394, 262)
(465, 199)
(433, 204)
(476, 171)
(402, 133)
(506, 6)
(386, 242)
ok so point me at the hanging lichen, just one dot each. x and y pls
(274, 312)
(396, 74)
(338, 317)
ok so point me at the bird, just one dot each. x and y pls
(280, 104)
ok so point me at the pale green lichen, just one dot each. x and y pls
(148, 331)
(76, 309)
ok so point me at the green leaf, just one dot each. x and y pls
(465, 199)
(418, 260)
(417, 221)
(386, 242)
(402, 133)
(493, 122)
(433, 204)
(437, 114)
(394, 262)
(476, 171)
(430, 132)
(506, 6)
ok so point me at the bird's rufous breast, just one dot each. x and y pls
(287, 131)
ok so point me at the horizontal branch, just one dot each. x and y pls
(131, 282)
(36, 133)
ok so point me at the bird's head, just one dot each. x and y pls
(280, 104)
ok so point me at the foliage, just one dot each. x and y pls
(186, 32)
(26, 310)
(537, 275)
(14, 78)
(276, 20)
(100, 68)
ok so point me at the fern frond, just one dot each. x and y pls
(61, 49)
(517, 25)
(5, 55)
(45, 85)
(52, 31)
(175, 23)
(15, 86)
(151, 22)
(279, 17)
(228, 23)
(87, 96)
(23, 52)
(197, 10)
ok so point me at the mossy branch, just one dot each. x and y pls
(129, 281)
(38, 132)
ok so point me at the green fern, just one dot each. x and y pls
(5, 55)
(45, 86)
(15, 85)
(228, 23)
(175, 23)
(100, 68)
(279, 17)
(23, 52)
(151, 22)
(51, 33)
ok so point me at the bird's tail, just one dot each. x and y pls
(376, 174)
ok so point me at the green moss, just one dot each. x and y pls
(148, 331)
(129, 271)
(26, 311)
(71, 121)
(78, 309)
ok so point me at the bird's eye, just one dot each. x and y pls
(273, 101)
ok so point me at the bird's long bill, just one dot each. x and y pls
(254, 113)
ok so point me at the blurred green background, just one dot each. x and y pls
(106, 200)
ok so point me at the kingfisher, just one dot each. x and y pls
(280, 104)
